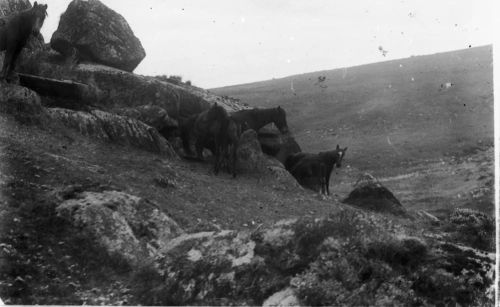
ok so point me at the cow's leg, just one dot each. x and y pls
(217, 158)
(233, 159)
(6, 63)
(199, 149)
(15, 54)
(327, 182)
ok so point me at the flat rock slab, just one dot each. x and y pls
(55, 88)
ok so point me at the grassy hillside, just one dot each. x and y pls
(390, 113)
(46, 260)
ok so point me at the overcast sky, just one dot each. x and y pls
(225, 42)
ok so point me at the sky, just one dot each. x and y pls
(225, 42)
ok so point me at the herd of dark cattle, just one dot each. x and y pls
(213, 129)
(218, 131)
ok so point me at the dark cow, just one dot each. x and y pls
(14, 35)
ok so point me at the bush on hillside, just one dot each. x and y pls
(474, 228)
(171, 79)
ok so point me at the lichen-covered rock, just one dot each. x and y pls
(249, 153)
(252, 159)
(25, 106)
(151, 115)
(97, 34)
(118, 89)
(124, 225)
(22, 103)
(18, 99)
(287, 147)
(276, 144)
(8, 7)
(228, 103)
(283, 298)
(83, 122)
(370, 194)
(113, 128)
(283, 178)
(270, 139)
(349, 258)
(216, 268)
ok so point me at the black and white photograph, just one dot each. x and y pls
(248, 153)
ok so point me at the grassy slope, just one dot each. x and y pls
(61, 266)
(389, 112)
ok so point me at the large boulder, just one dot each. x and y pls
(287, 147)
(122, 224)
(370, 194)
(250, 158)
(249, 153)
(97, 34)
(276, 144)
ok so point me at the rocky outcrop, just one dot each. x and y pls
(97, 34)
(276, 144)
(250, 155)
(251, 159)
(228, 103)
(271, 140)
(8, 7)
(83, 93)
(113, 128)
(25, 105)
(346, 259)
(22, 103)
(153, 116)
(124, 225)
(370, 194)
(117, 89)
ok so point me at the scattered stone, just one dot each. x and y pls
(283, 298)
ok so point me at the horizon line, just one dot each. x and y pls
(344, 67)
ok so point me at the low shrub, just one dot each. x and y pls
(473, 227)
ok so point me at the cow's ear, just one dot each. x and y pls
(338, 147)
(345, 149)
(46, 6)
(35, 4)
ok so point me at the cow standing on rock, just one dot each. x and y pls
(15, 34)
